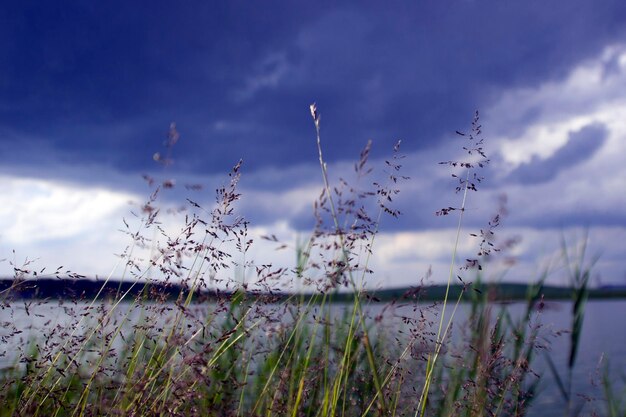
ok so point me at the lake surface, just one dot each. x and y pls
(603, 338)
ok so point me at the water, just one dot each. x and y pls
(603, 338)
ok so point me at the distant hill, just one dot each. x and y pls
(88, 289)
(495, 291)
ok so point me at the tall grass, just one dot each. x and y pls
(228, 347)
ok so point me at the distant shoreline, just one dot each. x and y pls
(86, 289)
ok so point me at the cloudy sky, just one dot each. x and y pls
(89, 89)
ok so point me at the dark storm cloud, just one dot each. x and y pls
(581, 146)
(99, 83)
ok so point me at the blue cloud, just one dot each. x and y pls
(74, 75)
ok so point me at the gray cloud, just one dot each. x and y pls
(581, 146)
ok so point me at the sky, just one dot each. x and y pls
(88, 91)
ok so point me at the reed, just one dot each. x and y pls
(245, 352)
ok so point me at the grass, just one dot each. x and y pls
(246, 354)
